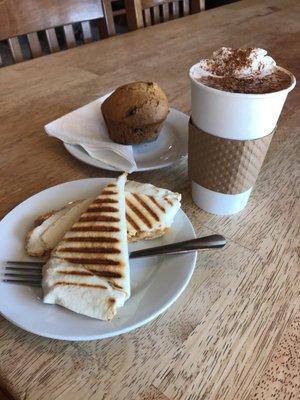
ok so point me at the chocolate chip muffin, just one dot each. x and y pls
(135, 112)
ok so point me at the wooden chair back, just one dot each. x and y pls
(142, 13)
(27, 17)
(110, 14)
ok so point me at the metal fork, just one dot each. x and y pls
(30, 272)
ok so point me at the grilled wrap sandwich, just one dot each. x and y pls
(88, 271)
(150, 212)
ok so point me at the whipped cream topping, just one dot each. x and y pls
(238, 63)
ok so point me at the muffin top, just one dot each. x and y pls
(136, 104)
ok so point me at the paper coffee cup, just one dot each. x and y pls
(236, 116)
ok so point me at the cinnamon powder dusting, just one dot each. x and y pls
(234, 61)
(244, 70)
(274, 82)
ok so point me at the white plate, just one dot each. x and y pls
(170, 147)
(156, 282)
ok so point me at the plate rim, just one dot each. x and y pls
(73, 150)
(116, 332)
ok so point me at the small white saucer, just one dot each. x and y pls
(170, 147)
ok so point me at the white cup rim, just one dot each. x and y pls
(249, 95)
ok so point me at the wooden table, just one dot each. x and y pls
(235, 332)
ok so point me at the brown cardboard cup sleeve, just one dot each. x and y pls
(225, 165)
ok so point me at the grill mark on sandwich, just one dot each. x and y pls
(145, 205)
(96, 250)
(92, 261)
(111, 185)
(93, 239)
(108, 192)
(74, 272)
(62, 283)
(107, 274)
(114, 284)
(101, 218)
(169, 202)
(139, 213)
(92, 272)
(101, 209)
(99, 228)
(132, 222)
(154, 201)
(105, 201)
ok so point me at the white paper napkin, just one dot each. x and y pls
(86, 127)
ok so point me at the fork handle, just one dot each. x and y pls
(207, 242)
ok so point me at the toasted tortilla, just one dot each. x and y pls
(150, 212)
(88, 271)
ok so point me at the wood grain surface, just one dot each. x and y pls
(234, 333)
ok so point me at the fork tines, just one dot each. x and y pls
(33, 264)
(26, 272)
